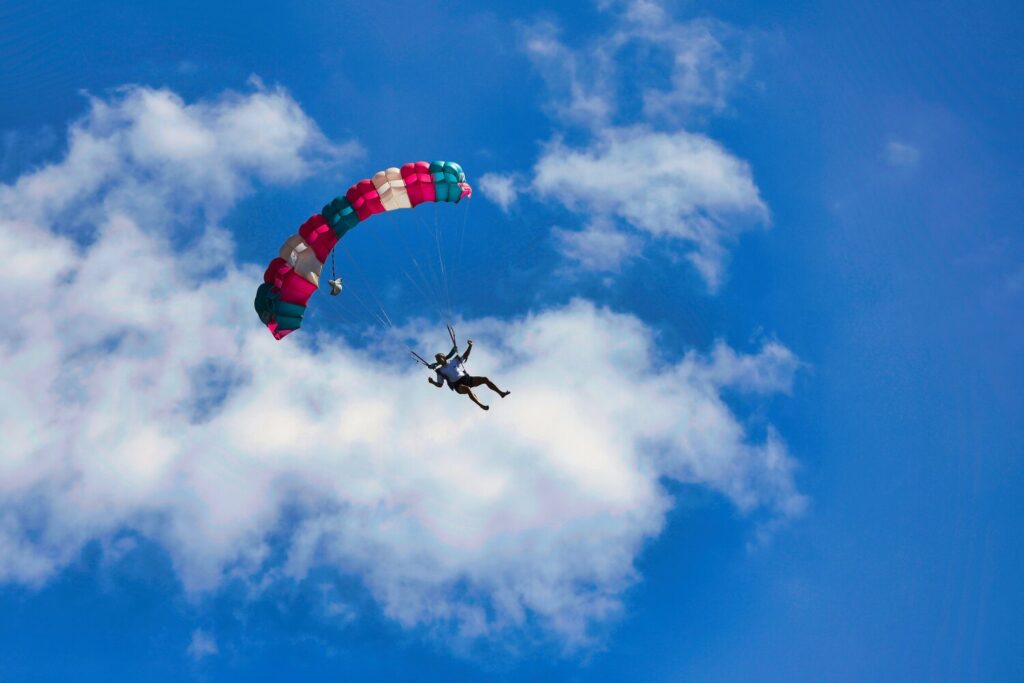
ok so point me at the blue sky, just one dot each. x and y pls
(765, 421)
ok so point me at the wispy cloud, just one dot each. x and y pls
(901, 154)
(202, 645)
(147, 139)
(668, 69)
(151, 400)
(678, 185)
(582, 93)
(640, 164)
(501, 188)
(600, 246)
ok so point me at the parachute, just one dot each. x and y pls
(293, 276)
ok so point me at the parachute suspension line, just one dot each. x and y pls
(462, 239)
(335, 283)
(370, 288)
(385, 322)
(441, 279)
(419, 358)
(435, 278)
(437, 236)
(451, 333)
(437, 287)
(370, 311)
(431, 301)
(424, 279)
(440, 260)
(347, 317)
(426, 290)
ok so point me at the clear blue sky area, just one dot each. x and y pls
(886, 142)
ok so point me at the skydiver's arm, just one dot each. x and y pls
(437, 383)
(469, 347)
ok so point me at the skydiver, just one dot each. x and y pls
(449, 369)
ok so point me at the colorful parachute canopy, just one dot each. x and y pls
(294, 275)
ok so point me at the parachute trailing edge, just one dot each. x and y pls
(294, 275)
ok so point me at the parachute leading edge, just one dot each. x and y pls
(294, 275)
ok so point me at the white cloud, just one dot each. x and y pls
(769, 372)
(679, 185)
(673, 69)
(632, 88)
(707, 59)
(580, 84)
(600, 246)
(151, 400)
(138, 147)
(202, 645)
(901, 154)
(501, 188)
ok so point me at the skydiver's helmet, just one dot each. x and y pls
(336, 285)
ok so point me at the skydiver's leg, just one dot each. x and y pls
(477, 381)
(463, 388)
